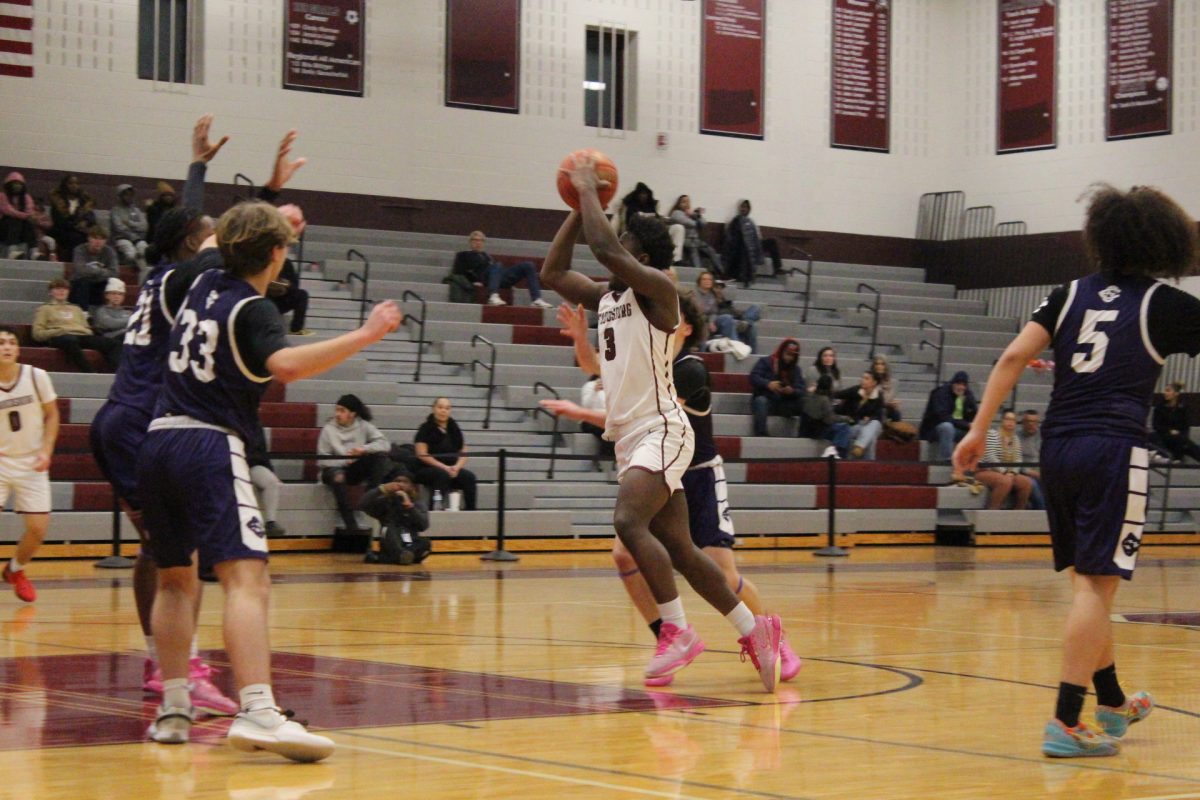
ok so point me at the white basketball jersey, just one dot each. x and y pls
(635, 366)
(21, 423)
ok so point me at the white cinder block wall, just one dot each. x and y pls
(85, 110)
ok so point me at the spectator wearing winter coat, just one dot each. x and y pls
(18, 225)
(359, 453)
(641, 202)
(95, 262)
(130, 228)
(1171, 426)
(110, 319)
(480, 268)
(864, 405)
(778, 385)
(948, 414)
(164, 200)
(744, 248)
(822, 422)
(695, 249)
(72, 214)
(398, 507)
(720, 315)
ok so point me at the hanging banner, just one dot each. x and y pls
(860, 105)
(733, 53)
(323, 46)
(1139, 68)
(1025, 100)
(483, 54)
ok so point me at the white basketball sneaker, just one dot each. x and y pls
(276, 732)
(172, 725)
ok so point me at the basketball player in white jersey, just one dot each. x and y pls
(638, 315)
(28, 430)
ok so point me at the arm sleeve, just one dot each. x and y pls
(418, 517)
(1047, 313)
(1174, 322)
(691, 380)
(267, 195)
(325, 442)
(39, 325)
(374, 504)
(179, 280)
(193, 188)
(376, 441)
(259, 334)
(760, 376)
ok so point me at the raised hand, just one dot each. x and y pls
(583, 173)
(573, 320)
(384, 319)
(284, 169)
(563, 408)
(202, 148)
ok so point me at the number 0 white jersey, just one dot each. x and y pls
(636, 367)
(21, 423)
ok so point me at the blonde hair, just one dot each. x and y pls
(248, 234)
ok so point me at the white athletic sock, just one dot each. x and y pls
(672, 612)
(175, 693)
(741, 618)
(194, 650)
(16, 566)
(150, 651)
(257, 697)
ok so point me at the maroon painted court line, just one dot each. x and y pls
(1185, 619)
(88, 699)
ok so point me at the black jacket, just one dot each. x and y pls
(388, 509)
(1167, 419)
(940, 408)
(852, 404)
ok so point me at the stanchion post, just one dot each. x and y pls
(831, 549)
(500, 554)
(115, 560)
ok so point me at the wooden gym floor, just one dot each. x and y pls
(928, 674)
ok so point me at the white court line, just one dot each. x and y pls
(1191, 796)
(454, 762)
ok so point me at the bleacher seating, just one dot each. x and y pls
(775, 503)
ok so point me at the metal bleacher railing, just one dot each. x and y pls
(874, 309)
(364, 278)
(491, 369)
(940, 347)
(554, 433)
(408, 296)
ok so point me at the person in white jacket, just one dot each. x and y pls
(359, 453)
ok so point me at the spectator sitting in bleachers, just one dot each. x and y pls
(129, 228)
(285, 291)
(724, 320)
(948, 415)
(361, 453)
(111, 318)
(266, 482)
(695, 249)
(72, 212)
(479, 268)
(19, 232)
(824, 364)
(1004, 447)
(777, 384)
(744, 248)
(398, 507)
(95, 262)
(641, 203)
(1030, 435)
(63, 325)
(821, 422)
(164, 200)
(1171, 426)
(864, 405)
(888, 387)
(443, 455)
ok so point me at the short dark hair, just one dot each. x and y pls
(1009, 410)
(654, 240)
(11, 331)
(248, 234)
(1029, 411)
(1141, 233)
(97, 232)
(60, 283)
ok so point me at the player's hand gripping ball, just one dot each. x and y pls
(605, 170)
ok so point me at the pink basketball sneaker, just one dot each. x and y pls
(206, 696)
(762, 645)
(676, 649)
(789, 662)
(152, 680)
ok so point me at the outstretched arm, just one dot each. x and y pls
(1032, 340)
(646, 281)
(296, 363)
(556, 271)
(565, 408)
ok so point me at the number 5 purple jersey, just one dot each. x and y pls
(1110, 339)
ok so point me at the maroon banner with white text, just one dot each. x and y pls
(733, 52)
(1025, 101)
(1138, 101)
(483, 54)
(324, 42)
(860, 107)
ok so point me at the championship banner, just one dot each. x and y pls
(324, 42)
(1138, 101)
(1025, 99)
(733, 54)
(860, 106)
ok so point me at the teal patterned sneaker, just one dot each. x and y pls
(1060, 741)
(1115, 721)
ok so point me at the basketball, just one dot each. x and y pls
(605, 169)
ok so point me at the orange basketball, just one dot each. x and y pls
(605, 169)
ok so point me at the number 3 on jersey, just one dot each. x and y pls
(203, 367)
(1093, 343)
(610, 344)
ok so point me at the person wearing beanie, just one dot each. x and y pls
(130, 228)
(164, 200)
(356, 452)
(60, 324)
(948, 414)
(110, 319)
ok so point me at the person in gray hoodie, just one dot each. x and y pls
(110, 319)
(129, 227)
(359, 453)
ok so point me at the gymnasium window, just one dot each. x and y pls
(170, 40)
(609, 91)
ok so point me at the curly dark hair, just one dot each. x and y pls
(1141, 233)
(172, 229)
(690, 313)
(654, 240)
